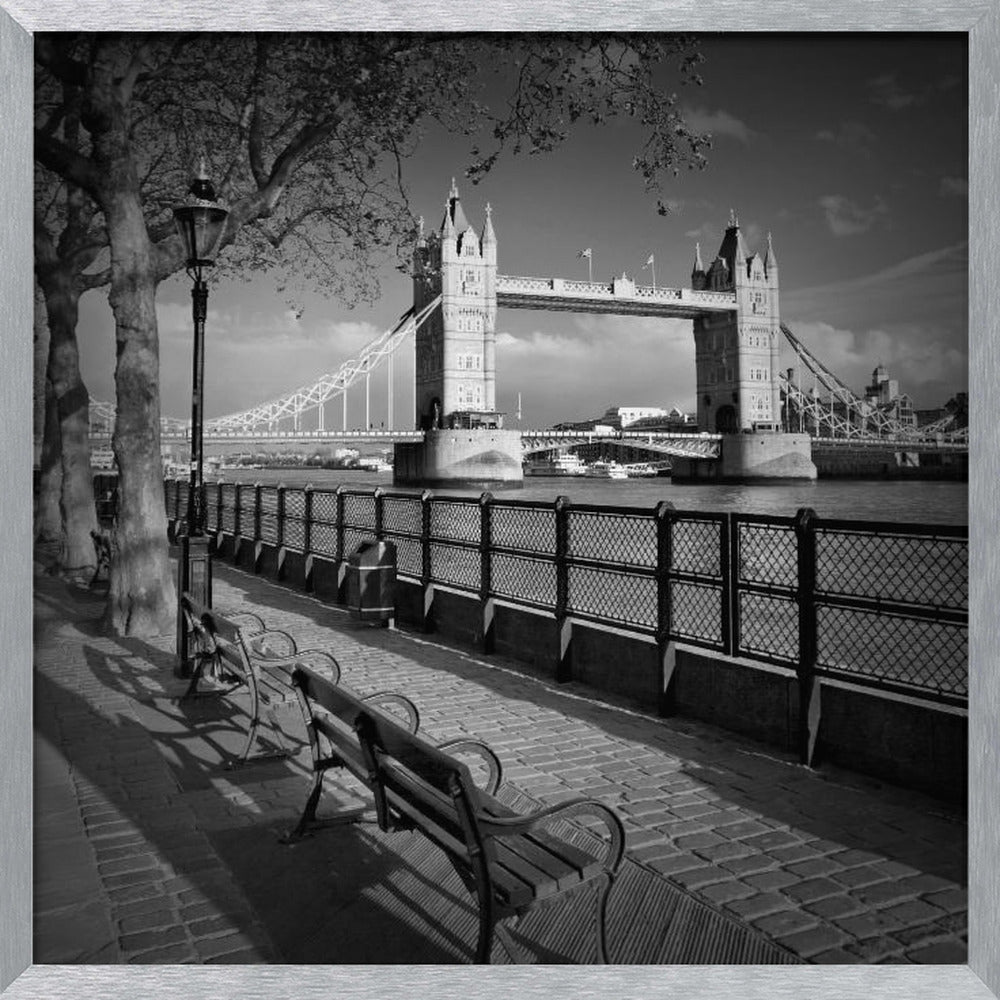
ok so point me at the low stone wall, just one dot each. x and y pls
(844, 462)
(896, 738)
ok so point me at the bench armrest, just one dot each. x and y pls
(504, 826)
(270, 643)
(478, 749)
(400, 701)
(246, 621)
(322, 662)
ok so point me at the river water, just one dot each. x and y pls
(927, 502)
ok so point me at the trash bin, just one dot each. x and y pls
(371, 582)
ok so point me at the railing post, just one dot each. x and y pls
(237, 518)
(219, 508)
(280, 540)
(257, 544)
(341, 557)
(307, 518)
(426, 586)
(487, 606)
(379, 496)
(809, 686)
(564, 625)
(666, 650)
(729, 570)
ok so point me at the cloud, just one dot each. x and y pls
(922, 357)
(887, 93)
(583, 364)
(720, 124)
(851, 325)
(954, 187)
(847, 218)
(850, 135)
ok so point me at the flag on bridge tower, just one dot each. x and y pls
(588, 253)
(651, 263)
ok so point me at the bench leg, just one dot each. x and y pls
(308, 822)
(245, 756)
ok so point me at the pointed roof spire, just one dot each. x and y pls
(698, 266)
(489, 236)
(447, 226)
(770, 261)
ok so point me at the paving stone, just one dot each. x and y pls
(813, 889)
(914, 911)
(857, 877)
(749, 865)
(768, 881)
(788, 922)
(230, 944)
(868, 924)
(698, 840)
(815, 866)
(759, 905)
(813, 941)
(726, 892)
(147, 921)
(831, 907)
(146, 940)
(694, 878)
(943, 953)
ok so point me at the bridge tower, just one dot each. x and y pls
(737, 354)
(464, 440)
(737, 364)
(456, 346)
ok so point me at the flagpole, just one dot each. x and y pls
(653, 266)
(590, 268)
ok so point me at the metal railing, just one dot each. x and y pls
(880, 604)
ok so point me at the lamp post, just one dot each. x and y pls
(200, 221)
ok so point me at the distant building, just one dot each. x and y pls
(884, 393)
(633, 418)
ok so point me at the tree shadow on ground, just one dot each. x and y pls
(832, 805)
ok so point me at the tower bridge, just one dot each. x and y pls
(457, 434)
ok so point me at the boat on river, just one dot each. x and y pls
(606, 470)
(566, 463)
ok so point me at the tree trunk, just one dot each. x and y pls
(79, 516)
(48, 520)
(142, 595)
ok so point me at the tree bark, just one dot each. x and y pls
(142, 595)
(71, 400)
(48, 520)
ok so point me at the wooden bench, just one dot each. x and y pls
(237, 651)
(511, 862)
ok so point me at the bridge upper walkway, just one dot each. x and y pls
(620, 296)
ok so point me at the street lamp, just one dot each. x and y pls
(200, 221)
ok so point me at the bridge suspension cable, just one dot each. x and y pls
(843, 414)
(293, 404)
(298, 401)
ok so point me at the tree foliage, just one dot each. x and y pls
(307, 138)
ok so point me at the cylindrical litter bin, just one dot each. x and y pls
(371, 582)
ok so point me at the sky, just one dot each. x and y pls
(850, 149)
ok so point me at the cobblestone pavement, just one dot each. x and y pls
(830, 865)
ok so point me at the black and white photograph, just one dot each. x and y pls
(502, 498)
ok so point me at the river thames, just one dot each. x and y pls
(921, 501)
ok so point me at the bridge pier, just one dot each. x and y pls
(754, 457)
(460, 457)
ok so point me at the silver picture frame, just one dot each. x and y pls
(21, 980)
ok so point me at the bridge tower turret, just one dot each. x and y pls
(737, 354)
(456, 346)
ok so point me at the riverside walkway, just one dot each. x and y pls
(147, 850)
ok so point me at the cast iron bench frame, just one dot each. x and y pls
(239, 651)
(506, 859)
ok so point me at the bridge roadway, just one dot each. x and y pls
(533, 441)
